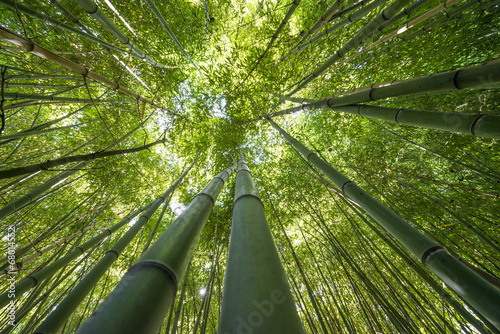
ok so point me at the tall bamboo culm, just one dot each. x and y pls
(474, 289)
(61, 314)
(257, 297)
(142, 298)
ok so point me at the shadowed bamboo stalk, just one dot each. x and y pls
(142, 298)
(479, 125)
(35, 278)
(4, 174)
(29, 46)
(60, 315)
(471, 287)
(256, 297)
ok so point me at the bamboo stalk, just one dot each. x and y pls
(470, 286)
(486, 75)
(59, 316)
(29, 46)
(146, 292)
(256, 294)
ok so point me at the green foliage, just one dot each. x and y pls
(358, 282)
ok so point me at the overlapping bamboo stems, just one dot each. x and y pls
(474, 289)
(40, 127)
(29, 46)
(146, 292)
(448, 17)
(156, 12)
(253, 280)
(37, 85)
(397, 275)
(370, 29)
(439, 8)
(34, 279)
(351, 18)
(56, 227)
(323, 19)
(476, 77)
(370, 287)
(41, 76)
(459, 308)
(493, 280)
(40, 190)
(24, 134)
(493, 175)
(55, 23)
(180, 303)
(37, 297)
(59, 316)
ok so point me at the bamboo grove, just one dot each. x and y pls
(250, 166)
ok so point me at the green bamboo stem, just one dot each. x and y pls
(8, 173)
(29, 46)
(21, 96)
(154, 9)
(34, 279)
(482, 76)
(370, 29)
(476, 124)
(146, 292)
(40, 190)
(96, 12)
(41, 76)
(439, 8)
(256, 295)
(24, 134)
(470, 286)
(54, 322)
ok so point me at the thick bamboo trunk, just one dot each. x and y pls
(60, 315)
(257, 296)
(482, 76)
(142, 298)
(480, 125)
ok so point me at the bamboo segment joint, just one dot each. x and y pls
(345, 183)
(474, 124)
(153, 264)
(430, 252)
(247, 195)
